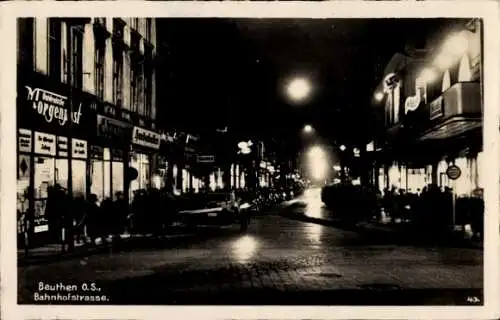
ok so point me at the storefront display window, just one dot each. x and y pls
(140, 162)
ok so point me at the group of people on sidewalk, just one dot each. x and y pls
(432, 209)
(88, 221)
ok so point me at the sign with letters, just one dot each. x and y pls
(79, 149)
(45, 144)
(112, 129)
(146, 138)
(24, 140)
(436, 108)
(52, 106)
(62, 146)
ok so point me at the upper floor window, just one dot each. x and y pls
(54, 48)
(117, 76)
(75, 74)
(26, 43)
(100, 50)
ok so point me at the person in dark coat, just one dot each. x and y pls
(120, 213)
(94, 219)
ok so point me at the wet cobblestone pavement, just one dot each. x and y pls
(280, 261)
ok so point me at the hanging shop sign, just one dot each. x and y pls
(436, 108)
(79, 149)
(453, 172)
(146, 138)
(62, 146)
(45, 144)
(206, 159)
(24, 140)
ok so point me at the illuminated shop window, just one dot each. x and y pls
(185, 180)
(242, 180)
(220, 183)
(213, 183)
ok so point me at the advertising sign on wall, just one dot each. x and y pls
(146, 138)
(46, 106)
(79, 149)
(45, 144)
(24, 142)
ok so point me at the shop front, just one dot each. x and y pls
(144, 150)
(53, 137)
(108, 156)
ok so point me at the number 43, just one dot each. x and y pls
(473, 299)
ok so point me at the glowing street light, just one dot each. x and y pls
(299, 89)
(308, 128)
(342, 148)
(428, 75)
(379, 96)
(318, 163)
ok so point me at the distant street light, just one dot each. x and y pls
(308, 128)
(379, 96)
(318, 163)
(299, 89)
(342, 148)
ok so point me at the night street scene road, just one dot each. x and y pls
(238, 161)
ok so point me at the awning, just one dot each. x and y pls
(452, 127)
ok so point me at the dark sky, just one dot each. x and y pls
(217, 72)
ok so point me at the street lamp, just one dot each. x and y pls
(342, 148)
(379, 96)
(308, 128)
(428, 75)
(299, 89)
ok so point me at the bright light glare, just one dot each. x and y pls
(457, 44)
(308, 129)
(379, 96)
(299, 89)
(444, 61)
(342, 148)
(337, 168)
(318, 163)
(428, 75)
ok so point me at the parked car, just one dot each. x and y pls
(215, 209)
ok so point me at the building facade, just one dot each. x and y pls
(85, 109)
(433, 113)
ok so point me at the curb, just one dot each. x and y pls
(84, 251)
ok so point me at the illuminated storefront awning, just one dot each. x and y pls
(457, 111)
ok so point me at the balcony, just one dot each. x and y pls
(456, 111)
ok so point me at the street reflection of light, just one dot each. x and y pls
(313, 232)
(318, 163)
(244, 248)
(313, 202)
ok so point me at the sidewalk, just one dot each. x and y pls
(398, 231)
(53, 252)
